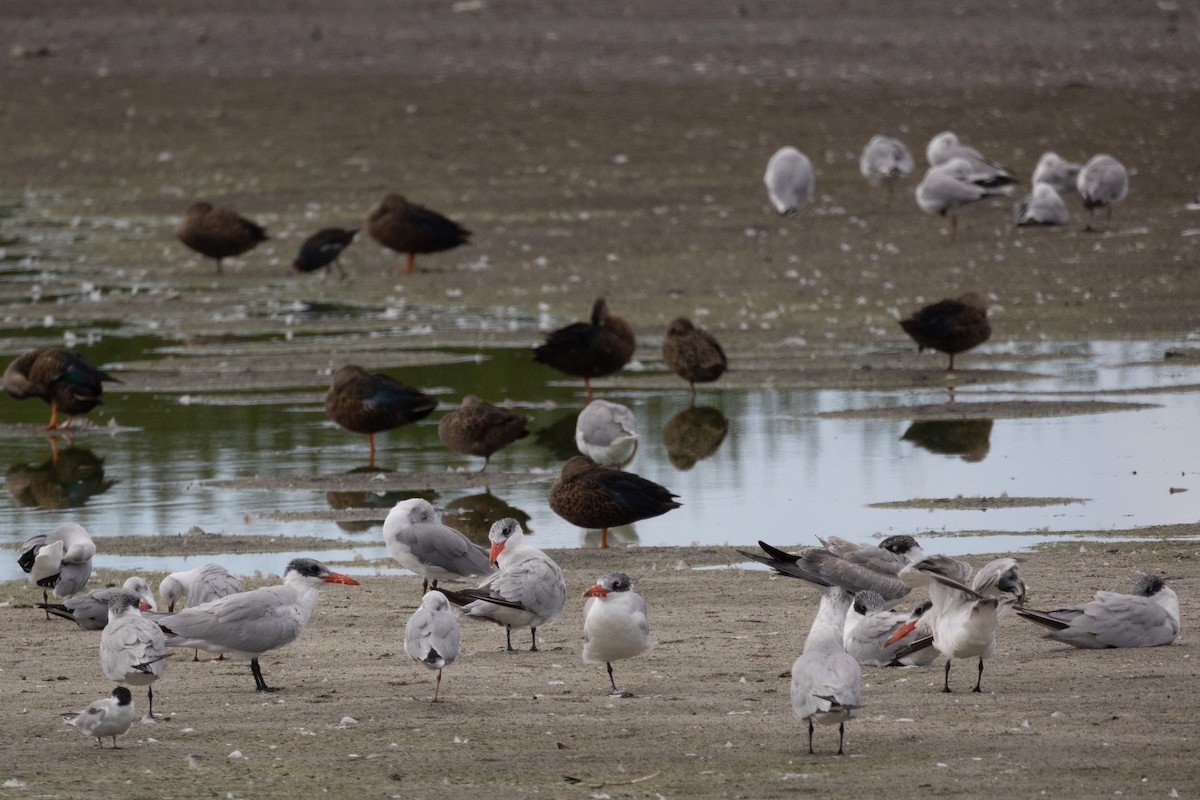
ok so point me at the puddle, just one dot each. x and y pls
(747, 464)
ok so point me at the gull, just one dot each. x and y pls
(945, 147)
(252, 623)
(1042, 206)
(90, 611)
(108, 716)
(1102, 183)
(422, 544)
(954, 185)
(132, 648)
(199, 585)
(870, 624)
(431, 636)
(1149, 617)
(826, 681)
(615, 624)
(60, 559)
(789, 180)
(1056, 171)
(885, 160)
(526, 591)
(607, 433)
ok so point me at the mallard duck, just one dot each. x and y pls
(589, 349)
(365, 402)
(322, 249)
(60, 377)
(218, 232)
(410, 228)
(478, 428)
(950, 326)
(693, 353)
(591, 496)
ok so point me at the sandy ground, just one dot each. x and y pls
(592, 149)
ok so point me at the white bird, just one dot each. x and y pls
(869, 626)
(847, 565)
(132, 648)
(251, 623)
(789, 180)
(885, 160)
(90, 611)
(60, 559)
(1147, 618)
(945, 147)
(1042, 206)
(108, 716)
(952, 186)
(527, 591)
(422, 544)
(200, 585)
(1102, 183)
(963, 617)
(615, 624)
(826, 681)
(1056, 171)
(431, 636)
(607, 433)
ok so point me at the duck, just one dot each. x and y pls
(478, 428)
(693, 353)
(410, 228)
(950, 326)
(593, 496)
(371, 402)
(591, 349)
(60, 377)
(218, 233)
(324, 248)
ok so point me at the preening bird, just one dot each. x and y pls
(950, 326)
(62, 378)
(132, 648)
(885, 160)
(324, 248)
(422, 544)
(478, 428)
(789, 180)
(60, 560)
(693, 353)
(607, 433)
(1102, 183)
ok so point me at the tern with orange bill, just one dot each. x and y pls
(615, 624)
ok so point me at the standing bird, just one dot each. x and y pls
(789, 180)
(1102, 183)
(370, 402)
(60, 377)
(478, 428)
(218, 232)
(422, 544)
(607, 433)
(108, 716)
(324, 248)
(589, 349)
(952, 186)
(199, 585)
(693, 353)
(59, 560)
(431, 636)
(252, 623)
(526, 591)
(826, 681)
(945, 147)
(90, 611)
(950, 326)
(615, 624)
(1056, 171)
(410, 228)
(1042, 206)
(885, 160)
(132, 648)
(591, 496)
(1147, 618)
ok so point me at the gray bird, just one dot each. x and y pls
(431, 636)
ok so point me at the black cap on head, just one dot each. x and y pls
(502, 529)
(308, 567)
(123, 696)
(900, 545)
(616, 582)
(1148, 586)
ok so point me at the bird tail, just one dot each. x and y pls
(58, 610)
(1043, 618)
(148, 663)
(467, 596)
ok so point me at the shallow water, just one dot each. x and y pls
(778, 472)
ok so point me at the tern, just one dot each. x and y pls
(422, 544)
(200, 585)
(431, 636)
(826, 681)
(1149, 617)
(108, 716)
(59, 560)
(847, 565)
(615, 624)
(870, 624)
(90, 611)
(132, 648)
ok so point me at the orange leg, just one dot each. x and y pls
(412, 262)
(604, 537)
(53, 448)
(53, 424)
(371, 440)
(587, 384)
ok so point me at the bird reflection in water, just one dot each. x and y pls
(693, 435)
(366, 499)
(559, 436)
(475, 513)
(967, 438)
(67, 480)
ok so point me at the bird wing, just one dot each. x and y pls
(443, 547)
(249, 622)
(429, 632)
(212, 583)
(536, 582)
(131, 643)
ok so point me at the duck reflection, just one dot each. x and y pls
(559, 436)
(693, 435)
(67, 480)
(620, 535)
(966, 438)
(367, 499)
(475, 513)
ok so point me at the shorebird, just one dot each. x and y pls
(422, 544)
(90, 611)
(431, 636)
(1149, 617)
(1102, 183)
(607, 433)
(60, 559)
(132, 648)
(1042, 206)
(615, 624)
(826, 681)
(108, 716)
(885, 160)
(1056, 171)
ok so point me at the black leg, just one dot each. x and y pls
(260, 685)
(150, 698)
(508, 637)
(610, 675)
(841, 737)
(946, 685)
(810, 733)
(424, 586)
(533, 635)
(979, 680)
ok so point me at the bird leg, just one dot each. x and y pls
(46, 602)
(437, 686)
(218, 266)
(946, 685)
(508, 637)
(615, 692)
(412, 262)
(603, 538)
(425, 586)
(260, 685)
(53, 448)
(53, 423)
(841, 738)
(980, 678)
(196, 654)
(587, 384)
(486, 460)
(810, 733)
(371, 441)
(951, 367)
(150, 702)
(533, 637)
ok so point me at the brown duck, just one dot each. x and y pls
(410, 228)
(218, 232)
(366, 402)
(322, 249)
(950, 326)
(478, 428)
(60, 377)
(591, 496)
(693, 353)
(589, 349)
